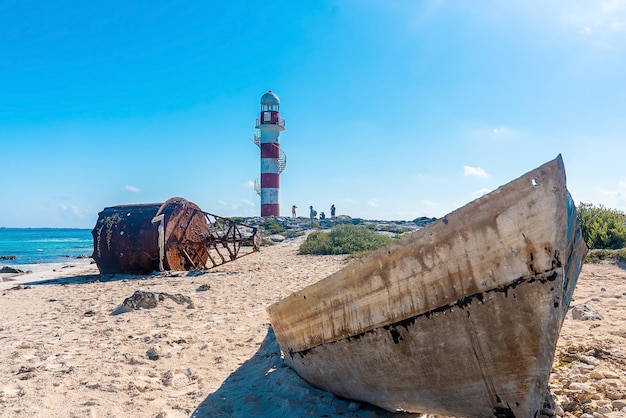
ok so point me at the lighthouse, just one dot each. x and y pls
(269, 125)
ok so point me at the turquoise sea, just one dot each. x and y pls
(43, 245)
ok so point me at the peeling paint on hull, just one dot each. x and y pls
(407, 353)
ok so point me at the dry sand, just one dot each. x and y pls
(64, 354)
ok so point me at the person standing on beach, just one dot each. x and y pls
(293, 211)
(332, 212)
(312, 212)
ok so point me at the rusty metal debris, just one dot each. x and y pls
(174, 235)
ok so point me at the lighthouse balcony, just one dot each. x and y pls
(279, 122)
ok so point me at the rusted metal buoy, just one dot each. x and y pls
(174, 235)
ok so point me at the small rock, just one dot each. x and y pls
(276, 238)
(154, 353)
(20, 287)
(12, 391)
(582, 387)
(614, 394)
(596, 375)
(583, 313)
(579, 377)
(558, 411)
(564, 401)
(583, 366)
(11, 270)
(619, 404)
(589, 360)
(149, 300)
(204, 287)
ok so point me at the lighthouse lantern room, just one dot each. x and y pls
(273, 160)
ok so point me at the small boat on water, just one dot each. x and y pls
(458, 318)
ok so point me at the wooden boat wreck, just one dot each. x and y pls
(458, 318)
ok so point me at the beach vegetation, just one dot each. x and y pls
(612, 256)
(271, 226)
(602, 228)
(343, 239)
(398, 230)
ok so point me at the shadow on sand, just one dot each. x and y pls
(264, 387)
(92, 278)
(82, 279)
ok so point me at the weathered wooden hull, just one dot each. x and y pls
(459, 318)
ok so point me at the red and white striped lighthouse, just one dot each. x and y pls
(273, 160)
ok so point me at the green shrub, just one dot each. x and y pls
(602, 228)
(271, 227)
(395, 230)
(267, 242)
(317, 242)
(343, 239)
(596, 256)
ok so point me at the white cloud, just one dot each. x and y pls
(74, 212)
(222, 203)
(373, 202)
(250, 184)
(429, 208)
(597, 21)
(502, 131)
(616, 199)
(474, 171)
(71, 208)
(247, 202)
(132, 189)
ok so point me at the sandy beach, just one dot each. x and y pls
(68, 350)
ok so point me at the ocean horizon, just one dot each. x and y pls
(43, 245)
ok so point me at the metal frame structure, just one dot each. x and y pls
(222, 243)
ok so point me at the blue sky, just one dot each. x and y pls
(394, 109)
